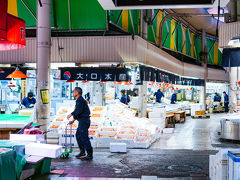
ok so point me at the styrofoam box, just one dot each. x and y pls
(129, 143)
(52, 135)
(154, 115)
(142, 145)
(27, 137)
(168, 130)
(52, 141)
(44, 150)
(105, 142)
(211, 166)
(118, 147)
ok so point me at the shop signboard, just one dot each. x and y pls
(95, 74)
(23, 88)
(45, 96)
(152, 74)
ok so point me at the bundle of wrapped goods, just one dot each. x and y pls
(197, 109)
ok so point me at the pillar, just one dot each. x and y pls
(143, 88)
(233, 87)
(43, 62)
(144, 25)
(204, 59)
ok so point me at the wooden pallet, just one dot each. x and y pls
(206, 116)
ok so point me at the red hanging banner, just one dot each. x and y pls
(3, 19)
(12, 30)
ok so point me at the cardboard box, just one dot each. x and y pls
(118, 147)
(44, 150)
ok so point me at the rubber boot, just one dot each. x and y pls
(89, 155)
(82, 153)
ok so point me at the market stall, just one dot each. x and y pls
(12, 123)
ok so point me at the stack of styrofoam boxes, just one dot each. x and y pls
(105, 136)
(218, 165)
(158, 117)
(196, 107)
(52, 134)
(233, 165)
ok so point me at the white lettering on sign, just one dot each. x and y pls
(108, 76)
(80, 76)
(94, 76)
(122, 77)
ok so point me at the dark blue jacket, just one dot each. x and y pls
(82, 110)
(159, 95)
(27, 102)
(125, 99)
(173, 99)
(217, 98)
(226, 99)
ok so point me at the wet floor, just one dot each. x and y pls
(181, 155)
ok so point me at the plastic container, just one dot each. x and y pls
(233, 165)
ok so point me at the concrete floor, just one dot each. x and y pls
(182, 155)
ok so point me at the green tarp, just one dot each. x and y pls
(8, 166)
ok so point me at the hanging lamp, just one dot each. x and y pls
(17, 74)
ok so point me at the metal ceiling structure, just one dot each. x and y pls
(181, 36)
(209, 24)
(156, 4)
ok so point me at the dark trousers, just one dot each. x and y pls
(82, 135)
(226, 106)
